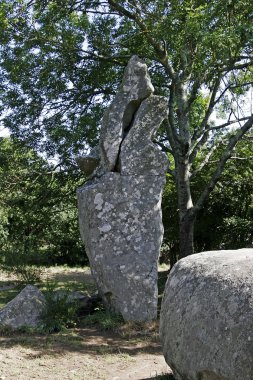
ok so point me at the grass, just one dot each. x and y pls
(126, 340)
(104, 319)
(60, 315)
(12, 286)
(110, 358)
(8, 295)
(47, 343)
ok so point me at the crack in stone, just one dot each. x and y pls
(132, 109)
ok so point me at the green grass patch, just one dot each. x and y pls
(104, 319)
(59, 314)
(71, 286)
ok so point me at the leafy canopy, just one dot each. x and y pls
(62, 62)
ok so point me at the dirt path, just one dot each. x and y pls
(86, 353)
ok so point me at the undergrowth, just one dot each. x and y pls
(59, 313)
(104, 319)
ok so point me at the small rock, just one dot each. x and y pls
(85, 304)
(25, 309)
(90, 162)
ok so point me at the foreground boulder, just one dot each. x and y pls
(207, 316)
(120, 206)
(24, 310)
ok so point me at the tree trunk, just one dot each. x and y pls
(186, 236)
(186, 213)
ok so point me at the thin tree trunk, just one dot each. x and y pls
(186, 214)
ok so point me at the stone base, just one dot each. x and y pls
(121, 224)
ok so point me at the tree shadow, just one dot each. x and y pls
(82, 275)
(90, 341)
(84, 339)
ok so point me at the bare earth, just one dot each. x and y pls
(82, 353)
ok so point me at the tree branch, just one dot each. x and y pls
(238, 66)
(224, 158)
(205, 161)
(198, 133)
(158, 47)
(197, 146)
(163, 147)
(99, 57)
(227, 123)
(194, 94)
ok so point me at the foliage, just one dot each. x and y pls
(226, 221)
(22, 265)
(8, 294)
(37, 208)
(61, 64)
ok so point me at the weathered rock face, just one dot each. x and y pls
(120, 207)
(207, 316)
(139, 155)
(136, 86)
(25, 309)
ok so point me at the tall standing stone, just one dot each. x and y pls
(120, 206)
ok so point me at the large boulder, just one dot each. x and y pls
(25, 309)
(207, 316)
(120, 206)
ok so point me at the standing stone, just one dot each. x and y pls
(206, 323)
(139, 154)
(120, 207)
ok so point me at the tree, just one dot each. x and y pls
(71, 58)
(226, 221)
(37, 208)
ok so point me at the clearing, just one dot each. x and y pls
(88, 351)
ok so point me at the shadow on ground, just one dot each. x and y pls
(90, 341)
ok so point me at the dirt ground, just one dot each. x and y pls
(82, 353)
